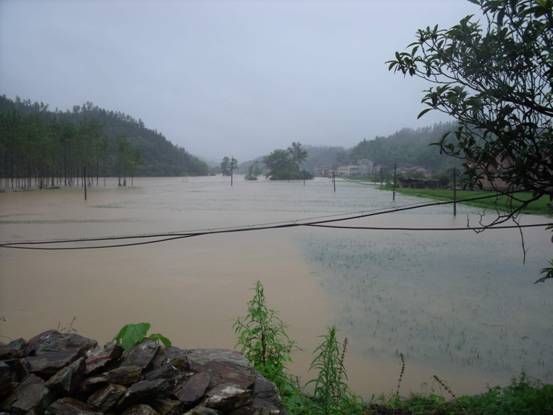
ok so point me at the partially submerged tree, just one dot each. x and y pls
(495, 76)
(286, 164)
(228, 165)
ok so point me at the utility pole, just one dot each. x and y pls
(395, 182)
(454, 191)
(231, 170)
(84, 181)
(334, 180)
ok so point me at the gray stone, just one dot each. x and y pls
(70, 406)
(31, 394)
(199, 357)
(266, 399)
(15, 348)
(54, 341)
(258, 408)
(8, 377)
(68, 379)
(107, 397)
(99, 358)
(175, 357)
(168, 406)
(228, 397)
(17, 371)
(93, 383)
(193, 390)
(124, 375)
(223, 366)
(144, 390)
(141, 355)
(167, 371)
(202, 410)
(140, 410)
(47, 364)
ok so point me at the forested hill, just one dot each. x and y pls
(408, 147)
(33, 137)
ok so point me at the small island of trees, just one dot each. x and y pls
(286, 164)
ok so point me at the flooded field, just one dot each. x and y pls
(460, 305)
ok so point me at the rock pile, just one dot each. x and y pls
(65, 374)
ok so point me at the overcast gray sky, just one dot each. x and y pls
(225, 77)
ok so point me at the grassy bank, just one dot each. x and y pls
(541, 206)
(522, 396)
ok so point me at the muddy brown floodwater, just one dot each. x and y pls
(461, 305)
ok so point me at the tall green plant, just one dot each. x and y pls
(263, 339)
(330, 387)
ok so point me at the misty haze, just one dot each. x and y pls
(254, 207)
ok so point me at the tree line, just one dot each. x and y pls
(43, 148)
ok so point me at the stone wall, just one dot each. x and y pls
(65, 374)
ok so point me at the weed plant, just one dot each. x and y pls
(263, 339)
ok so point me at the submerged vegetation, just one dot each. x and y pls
(263, 339)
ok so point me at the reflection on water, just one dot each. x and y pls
(460, 305)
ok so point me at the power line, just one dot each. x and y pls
(468, 228)
(170, 236)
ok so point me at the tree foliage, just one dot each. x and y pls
(495, 76)
(407, 147)
(286, 164)
(228, 165)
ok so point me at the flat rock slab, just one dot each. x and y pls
(144, 390)
(54, 341)
(168, 407)
(199, 357)
(172, 356)
(141, 355)
(192, 391)
(226, 398)
(99, 358)
(141, 410)
(223, 366)
(31, 394)
(202, 410)
(47, 364)
(68, 379)
(124, 375)
(107, 397)
(15, 348)
(70, 406)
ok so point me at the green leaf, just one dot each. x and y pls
(424, 111)
(132, 334)
(160, 338)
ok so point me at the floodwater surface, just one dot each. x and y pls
(459, 305)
